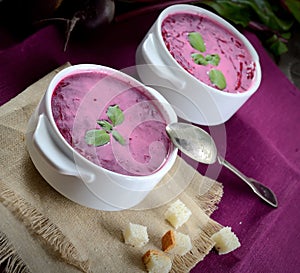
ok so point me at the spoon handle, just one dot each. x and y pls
(262, 191)
(230, 167)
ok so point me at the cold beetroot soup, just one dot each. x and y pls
(208, 51)
(112, 122)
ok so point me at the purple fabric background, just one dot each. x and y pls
(263, 140)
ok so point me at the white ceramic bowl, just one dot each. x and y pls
(76, 177)
(192, 99)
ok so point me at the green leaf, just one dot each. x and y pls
(196, 41)
(217, 78)
(235, 11)
(276, 46)
(213, 59)
(286, 35)
(97, 137)
(118, 137)
(264, 11)
(115, 114)
(199, 59)
(105, 125)
(241, 12)
(294, 8)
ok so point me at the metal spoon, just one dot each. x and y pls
(200, 146)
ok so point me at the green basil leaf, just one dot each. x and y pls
(115, 114)
(199, 59)
(118, 137)
(217, 78)
(97, 137)
(213, 59)
(196, 41)
(105, 125)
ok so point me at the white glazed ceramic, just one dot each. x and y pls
(73, 175)
(192, 99)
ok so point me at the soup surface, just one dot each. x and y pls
(235, 61)
(80, 104)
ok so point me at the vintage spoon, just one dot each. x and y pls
(200, 146)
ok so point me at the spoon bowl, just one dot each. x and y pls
(197, 144)
(200, 146)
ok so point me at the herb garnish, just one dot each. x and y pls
(196, 41)
(100, 137)
(213, 59)
(216, 76)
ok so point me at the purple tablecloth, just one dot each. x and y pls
(263, 140)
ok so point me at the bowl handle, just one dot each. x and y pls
(55, 157)
(156, 64)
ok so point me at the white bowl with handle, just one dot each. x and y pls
(192, 99)
(78, 178)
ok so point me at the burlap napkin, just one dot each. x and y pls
(88, 239)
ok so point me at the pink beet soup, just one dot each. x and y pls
(236, 62)
(82, 99)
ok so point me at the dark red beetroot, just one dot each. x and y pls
(24, 16)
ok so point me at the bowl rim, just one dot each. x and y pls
(78, 68)
(182, 8)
